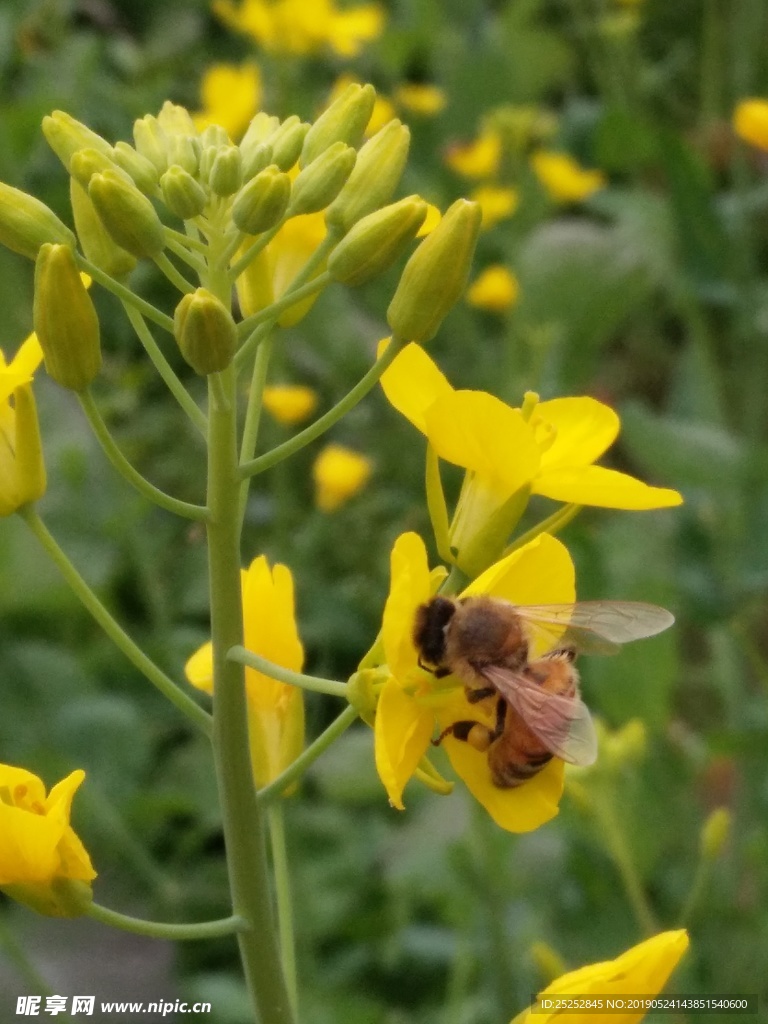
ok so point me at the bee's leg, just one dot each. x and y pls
(475, 696)
(439, 673)
(501, 714)
(475, 734)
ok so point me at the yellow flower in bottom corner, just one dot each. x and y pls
(22, 471)
(275, 709)
(339, 473)
(42, 862)
(414, 703)
(641, 971)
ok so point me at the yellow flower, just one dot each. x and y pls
(551, 449)
(477, 159)
(42, 861)
(289, 403)
(495, 289)
(642, 970)
(231, 95)
(339, 473)
(271, 273)
(22, 471)
(413, 702)
(565, 180)
(419, 98)
(302, 27)
(497, 202)
(750, 122)
(275, 710)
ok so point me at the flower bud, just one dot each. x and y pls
(378, 170)
(65, 320)
(205, 332)
(65, 135)
(376, 241)
(128, 216)
(320, 182)
(258, 158)
(216, 136)
(175, 120)
(184, 151)
(26, 223)
(343, 121)
(286, 142)
(254, 286)
(87, 162)
(261, 127)
(95, 240)
(30, 467)
(715, 832)
(183, 195)
(151, 141)
(225, 174)
(436, 275)
(138, 167)
(262, 201)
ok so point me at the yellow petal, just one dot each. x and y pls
(564, 178)
(495, 289)
(402, 732)
(231, 95)
(496, 203)
(74, 861)
(270, 622)
(750, 122)
(413, 383)
(289, 403)
(481, 433)
(540, 572)
(28, 358)
(419, 98)
(477, 159)
(199, 668)
(583, 430)
(606, 488)
(339, 474)
(352, 28)
(410, 586)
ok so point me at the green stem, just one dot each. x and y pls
(696, 891)
(126, 296)
(242, 656)
(173, 274)
(552, 524)
(284, 901)
(186, 239)
(616, 843)
(165, 369)
(438, 512)
(251, 252)
(241, 815)
(181, 249)
(325, 422)
(164, 929)
(126, 470)
(291, 297)
(253, 409)
(291, 774)
(115, 632)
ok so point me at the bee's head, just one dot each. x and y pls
(429, 629)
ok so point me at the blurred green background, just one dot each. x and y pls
(651, 294)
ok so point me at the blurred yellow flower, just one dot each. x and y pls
(42, 861)
(413, 702)
(497, 202)
(750, 122)
(564, 178)
(642, 970)
(302, 27)
(339, 473)
(477, 159)
(231, 95)
(270, 274)
(275, 710)
(550, 450)
(22, 470)
(289, 403)
(419, 98)
(495, 289)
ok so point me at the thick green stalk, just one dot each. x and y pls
(242, 817)
(283, 898)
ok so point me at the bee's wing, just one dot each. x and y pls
(596, 627)
(563, 724)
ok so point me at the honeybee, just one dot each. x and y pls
(485, 642)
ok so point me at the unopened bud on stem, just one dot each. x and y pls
(319, 183)
(26, 223)
(343, 121)
(205, 332)
(262, 201)
(129, 217)
(376, 241)
(378, 170)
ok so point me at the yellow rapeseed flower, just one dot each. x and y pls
(339, 473)
(22, 471)
(413, 703)
(275, 710)
(551, 449)
(42, 861)
(302, 27)
(564, 178)
(419, 98)
(750, 122)
(497, 202)
(230, 95)
(495, 289)
(289, 403)
(642, 970)
(480, 158)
